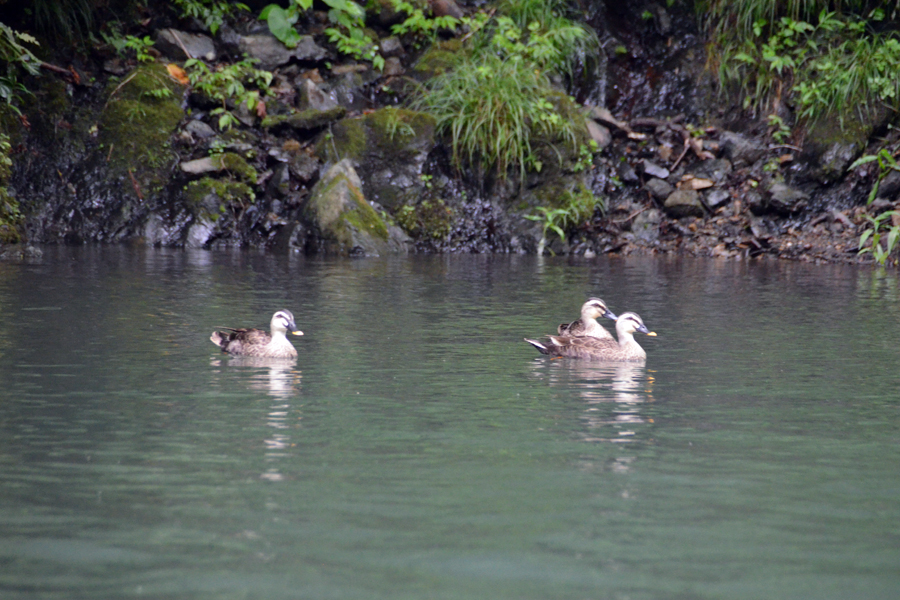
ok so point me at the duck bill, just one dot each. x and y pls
(297, 332)
(609, 315)
(651, 333)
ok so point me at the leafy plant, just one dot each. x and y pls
(16, 57)
(420, 25)
(348, 34)
(229, 83)
(585, 156)
(212, 13)
(576, 209)
(140, 47)
(780, 131)
(828, 63)
(886, 164)
(879, 252)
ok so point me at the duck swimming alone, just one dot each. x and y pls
(256, 342)
(587, 325)
(625, 350)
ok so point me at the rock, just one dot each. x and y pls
(391, 46)
(599, 134)
(305, 120)
(312, 96)
(717, 198)
(659, 188)
(890, 185)
(388, 147)
(303, 167)
(393, 67)
(645, 226)
(271, 53)
(200, 166)
(654, 170)
(716, 169)
(684, 203)
(741, 150)
(180, 45)
(280, 183)
(445, 8)
(200, 130)
(347, 223)
(786, 200)
(199, 233)
(628, 173)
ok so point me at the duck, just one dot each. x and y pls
(256, 342)
(626, 349)
(587, 325)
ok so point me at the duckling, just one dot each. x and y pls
(625, 350)
(587, 325)
(256, 342)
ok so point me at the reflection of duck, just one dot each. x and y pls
(587, 325)
(627, 349)
(256, 342)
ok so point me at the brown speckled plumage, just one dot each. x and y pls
(256, 342)
(587, 325)
(625, 350)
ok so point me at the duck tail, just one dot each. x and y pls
(540, 347)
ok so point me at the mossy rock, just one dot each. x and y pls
(833, 143)
(305, 120)
(427, 220)
(209, 197)
(134, 129)
(388, 147)
(435, 61)
(347, 223)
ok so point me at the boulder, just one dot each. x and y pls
(181, 45)
(740, 149)
(684, 203)
(271, 53)
(786, 200)
(346, 222)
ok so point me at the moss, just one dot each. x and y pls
(212, 196)
(430, 219)
(10, 219)
(393, 129)
(137, 121)
(305, 120)
(347, 139)
(240, 168)
(360, 216)
(435, 61)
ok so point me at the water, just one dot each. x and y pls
(420, 449)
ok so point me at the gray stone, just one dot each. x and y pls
(684, 203)
(785, 200)
(312, 96)
(391, 46)
(201, 166)
(717, 198)
(599, 134)
(200, 130)
(645, 226)
(181, 45)
(654, 170)
(741, 150)
(303, 167)
(271, 53)
(716, 170)
(659, 188)
(393, 67)
(199, 233)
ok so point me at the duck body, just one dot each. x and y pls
(256, 342)
(587, 325)
(626, 349)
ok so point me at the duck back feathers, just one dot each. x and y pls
(626, 349)
(256, 342)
